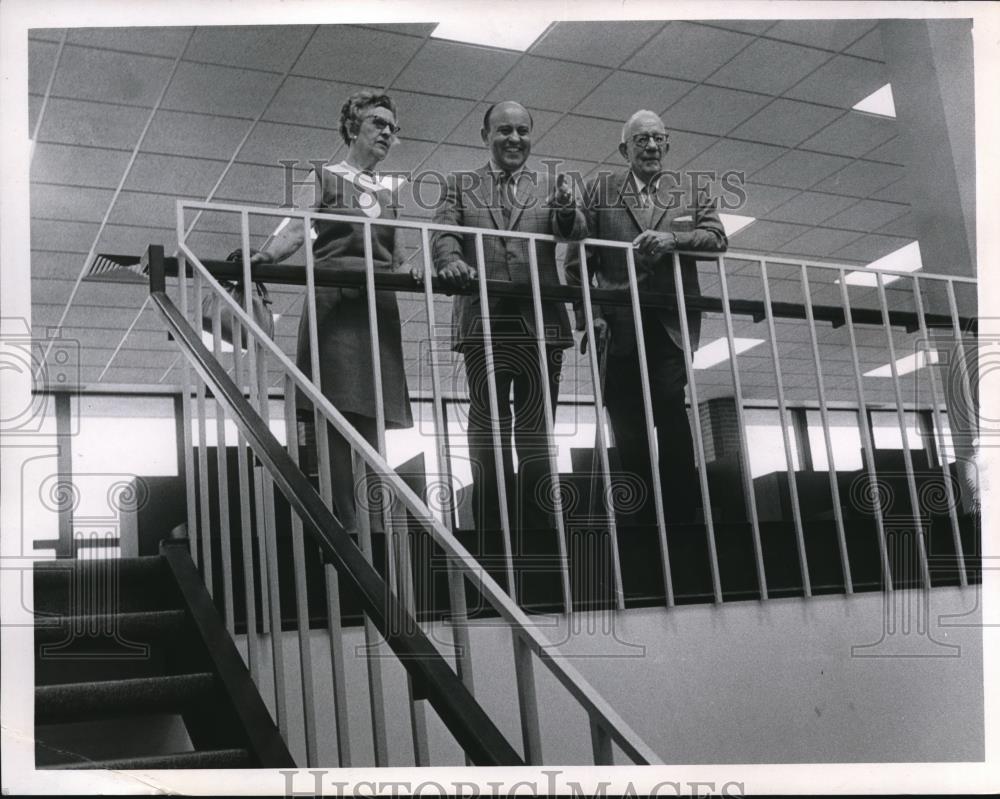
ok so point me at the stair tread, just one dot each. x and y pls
(212, 758)
(134, 696)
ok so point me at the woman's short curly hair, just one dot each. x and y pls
(353, 110)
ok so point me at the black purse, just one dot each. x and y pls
(260, 304)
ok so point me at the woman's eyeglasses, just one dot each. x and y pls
(383, 124)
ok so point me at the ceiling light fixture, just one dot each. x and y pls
(907, 364)
(494, 28)
(879, 103)
(717, 351)
(905, 259)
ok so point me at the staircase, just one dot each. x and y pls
(134, 669)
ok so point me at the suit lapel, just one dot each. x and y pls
(488, 195)
(522, 193)
(628, 194)
(666, 200)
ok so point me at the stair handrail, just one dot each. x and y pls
(597, 708)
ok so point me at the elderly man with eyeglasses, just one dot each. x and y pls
(658, 214)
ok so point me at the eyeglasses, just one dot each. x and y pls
(643, 139)
(383, 124)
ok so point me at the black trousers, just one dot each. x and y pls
(517, 367)
(623, 399)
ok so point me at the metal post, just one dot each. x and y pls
(222, 467)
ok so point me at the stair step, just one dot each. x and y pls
(142, 626)
(110, 698)
(100, 587)
(215, 758)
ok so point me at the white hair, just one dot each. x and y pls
(640, 112)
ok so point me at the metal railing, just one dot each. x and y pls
(530, 646)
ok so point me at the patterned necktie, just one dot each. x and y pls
(506, 196)
(646, 198)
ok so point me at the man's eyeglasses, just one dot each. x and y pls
(643, 139)
(383, 124)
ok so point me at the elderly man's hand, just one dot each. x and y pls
(653, 245)
(456, 274)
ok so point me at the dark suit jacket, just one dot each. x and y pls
(472, 200)
(614, 212)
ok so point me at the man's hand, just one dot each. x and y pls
(600, 333)
(653, 245)
(456, 274)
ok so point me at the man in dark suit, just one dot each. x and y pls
(504, 195)
(658, 215)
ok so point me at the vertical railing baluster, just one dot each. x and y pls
(647, 407)
(550, 428)
(257, 367)
(867, 447)
(246, 521)
(713, 557)
(963, 370)
(456, 582)
(204, 508)
(793, 488)
(911, 484)
(600, 742)
(495, 417)
(940, 437)
(838, 513)
(524, 672)
(222, 467)
(324, 477)
(190, 492)
(601, 443)
(303, 626)
(741, 424)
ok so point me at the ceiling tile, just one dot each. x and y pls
(128, 240)
(46, 34)
(579, 138)
(98, 124)
(899, 191)
(768, 66)
(407, 157)
(41, 58)
(751, 26)
(147, 41)
(467, 132)
(800, 170)
(757, 200)
(88, 74)
(251, 183)
(828, 34)
(55, 265)
(853, 134)
(786, 122)
(819, 242)
(170, 174)
(843, 81)
(867, 215)
(891, 151)
(430, 118)
(62, 236)
(544, 83)
(146, 210)
(764, 235)
(905, 225)
(420, 29)
(219, 90)
(692, 52)
(869, 46)
(811, 208)
(624, 93)
(707, 109)
(872, 247)
(356, 55)
(606, 44)
(861, 178)
(272, 142)
(53, 291)
(273, 47)
(684, 147)
(455, 70)
(310, 102)
(78, 166)
(728, 154)
(199, 135)
(450, 158)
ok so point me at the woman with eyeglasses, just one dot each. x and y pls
(346, 370)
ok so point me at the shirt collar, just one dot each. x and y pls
(640, 184)
(498, 172)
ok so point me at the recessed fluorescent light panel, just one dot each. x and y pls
(494, 28)
(879, 103)
(905, 259)
(734, 223)
(718, 351)
(906, 365)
